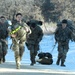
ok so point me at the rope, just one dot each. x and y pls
(53, 48)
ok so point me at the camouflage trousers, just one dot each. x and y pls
(33, 51)
(62, 51)
(3, 51)
(18, 52)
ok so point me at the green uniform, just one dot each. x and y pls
(62, 37)
(18, 43)
(33, 42)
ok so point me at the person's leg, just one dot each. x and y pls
(1, 54)
(22, 49)
(34, 53)
(60, 51)
(36, 48)
(59, 58)
(63, 57)
(65, 50)
(16, 54)
(4, 49)
(32, 56)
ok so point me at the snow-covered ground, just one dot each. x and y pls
(46, 45)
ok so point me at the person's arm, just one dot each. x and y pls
(27, 28)
(56, 34)
(40, 35)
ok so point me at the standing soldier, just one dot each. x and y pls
(3, 36)
(33, 39)
(62, 37)
(18, 33)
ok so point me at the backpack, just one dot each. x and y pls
(45, 58)
(71, 26)
(34, 23)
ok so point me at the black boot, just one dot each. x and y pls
(62, 64)
(58, 61)
(32, 60)
(3, 59)
(4, 54)
(32, 63)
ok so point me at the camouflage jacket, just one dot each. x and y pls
(20, 30)
(63, 35)
(22, 24)
(35, 36)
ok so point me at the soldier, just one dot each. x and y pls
(3, 41)
(62, 37)
(33, 39)
(18, 33)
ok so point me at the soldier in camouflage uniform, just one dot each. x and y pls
(62, 37)
(3, 36)
(33, 41)
(18, 35)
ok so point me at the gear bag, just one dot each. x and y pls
(45, 58)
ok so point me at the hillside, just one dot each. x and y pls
(45, 10)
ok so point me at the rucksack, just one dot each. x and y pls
(71, 26)
(34, 22)
(45, 58)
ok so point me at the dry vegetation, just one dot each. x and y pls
(48, 11)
